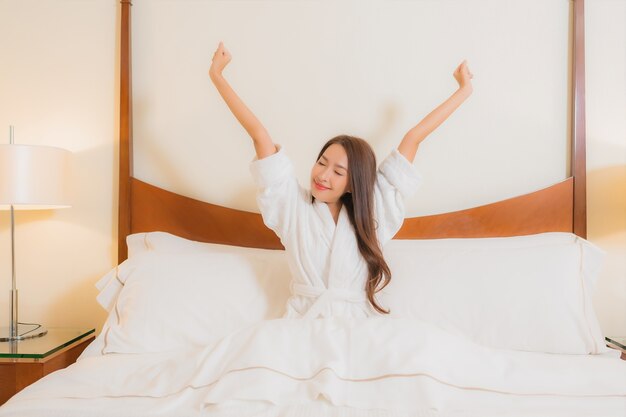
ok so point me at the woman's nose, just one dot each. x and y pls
(324, 175)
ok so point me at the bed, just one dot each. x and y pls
(491, 312)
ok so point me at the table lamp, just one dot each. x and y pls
(31, 178)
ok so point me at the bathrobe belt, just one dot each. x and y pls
(325, 296)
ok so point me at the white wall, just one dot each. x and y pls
(313, 69)
(58, 87)
(309, 70)
(606, 154)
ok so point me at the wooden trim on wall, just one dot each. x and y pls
(546, 210)
(579, 155)
(162, 210)
(126, 134)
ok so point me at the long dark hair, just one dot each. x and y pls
(360, 207)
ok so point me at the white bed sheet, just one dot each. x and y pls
(333, 367)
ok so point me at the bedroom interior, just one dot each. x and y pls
(562, 207)
(85, 122)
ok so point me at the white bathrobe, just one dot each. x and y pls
(328, 272)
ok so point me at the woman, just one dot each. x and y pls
(333, 233)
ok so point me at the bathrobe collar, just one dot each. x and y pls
(340, 238)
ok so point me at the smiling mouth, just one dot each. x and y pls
(320, 187)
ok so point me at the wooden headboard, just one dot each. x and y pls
(558, 208)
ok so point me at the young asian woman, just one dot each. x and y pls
(333, 231)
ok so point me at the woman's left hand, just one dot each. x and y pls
(463, 76)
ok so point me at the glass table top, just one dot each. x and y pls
(40, 347)
(619, 341)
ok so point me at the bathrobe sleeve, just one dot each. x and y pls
(396, 180)
(278, 192)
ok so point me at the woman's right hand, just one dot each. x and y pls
(221, 58)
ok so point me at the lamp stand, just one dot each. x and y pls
(16, 330)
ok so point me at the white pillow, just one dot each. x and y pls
(530, 293)
(109, 285)
(184, 293)
(166, 242)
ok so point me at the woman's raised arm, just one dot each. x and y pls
(263, 144)
(410, 142)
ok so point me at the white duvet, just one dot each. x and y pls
(332, 367)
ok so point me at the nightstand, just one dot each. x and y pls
(26, 361)
(618, 343)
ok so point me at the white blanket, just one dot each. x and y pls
(364, 367)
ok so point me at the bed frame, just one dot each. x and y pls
(558, 208)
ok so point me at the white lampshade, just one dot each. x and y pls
(34, 177)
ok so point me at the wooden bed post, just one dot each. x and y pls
(579, 165)
(126, 134)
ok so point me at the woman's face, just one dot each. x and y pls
(329, 176)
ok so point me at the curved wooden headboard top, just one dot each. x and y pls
(558, 208)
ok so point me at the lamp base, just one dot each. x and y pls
(24, 331)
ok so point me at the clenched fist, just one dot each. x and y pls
(221, 58)
(463, 75)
